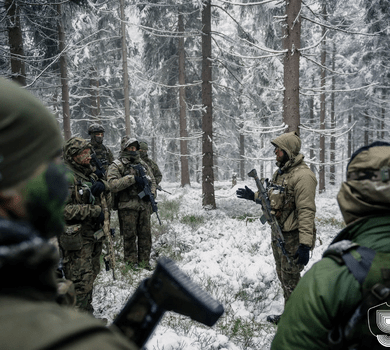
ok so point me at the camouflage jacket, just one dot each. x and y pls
(294, 206)
(82, 207)
(153, 167)
(121, 178)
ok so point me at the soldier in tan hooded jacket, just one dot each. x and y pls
(294, 209)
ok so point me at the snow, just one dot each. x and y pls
(227, 252)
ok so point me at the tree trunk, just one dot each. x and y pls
(333, 122)
(292, 43)
(95, 97)
(64, 76)
(185, 175)
(383, 113)
(207, 117)
(242, 154)
(15, 40)
(125, 70)
(313, 146)
(366, 129)
(321, 184)
(350, 147)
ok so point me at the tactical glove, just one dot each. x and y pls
(97, 188)
(245, 193)
(302, 254)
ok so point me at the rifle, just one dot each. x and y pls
(168, 289)
(160, 189)
(147, 192)
(110, 260)
(267, 214)
(98, 163)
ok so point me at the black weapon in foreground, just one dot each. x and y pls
(147, 192)
(168, 289)
(267, 214)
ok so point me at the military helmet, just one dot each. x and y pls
(95, 128)
(74, 146)
(143, 145)
(130, 141)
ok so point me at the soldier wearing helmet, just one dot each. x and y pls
(82, 241)
(330, 307)
(134, 213)
(33, 191)
(102, 152)
(143, 151)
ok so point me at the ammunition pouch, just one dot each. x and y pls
(72, 239)
(99, 235)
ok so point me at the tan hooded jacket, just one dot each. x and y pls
(294, 208)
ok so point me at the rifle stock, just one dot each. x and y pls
(168, 289)
(267, 214)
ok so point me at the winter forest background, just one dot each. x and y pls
(208, 83)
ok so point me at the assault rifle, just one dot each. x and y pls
(147, 192)
(168, 289)
(161, 189)
(98, 164)
(267, 214)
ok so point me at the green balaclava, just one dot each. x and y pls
(30, 137)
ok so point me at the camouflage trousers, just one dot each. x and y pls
(137, 237)
(82, 267)
(289, 275)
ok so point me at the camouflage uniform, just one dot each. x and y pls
(152, 164)
(81, 247)
(294, 209)
(134, 213)
(103, 153)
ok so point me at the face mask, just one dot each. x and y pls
(45, 199)
(99, 139)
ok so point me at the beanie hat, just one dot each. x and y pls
(29, 134)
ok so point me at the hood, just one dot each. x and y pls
(289, 142)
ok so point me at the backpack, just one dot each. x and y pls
(372, 270)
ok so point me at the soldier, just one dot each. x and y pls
(143, 151)
(84, 215)
(103, 153)
(344, 298)
(134, 213)
(33, 190)
(292, 196)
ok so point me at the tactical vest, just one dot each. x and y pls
(281, 194)
(128, 169)
(372, 270)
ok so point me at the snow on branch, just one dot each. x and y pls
(345, 90)
(327, 132)
(337, 28)
(250, 3)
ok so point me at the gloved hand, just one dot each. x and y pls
(139, 180)
(245, 193)
(99, 173)
(97, 188)
(302, 254)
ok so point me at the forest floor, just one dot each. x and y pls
(227, 252)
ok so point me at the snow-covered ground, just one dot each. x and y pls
(227, 252)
